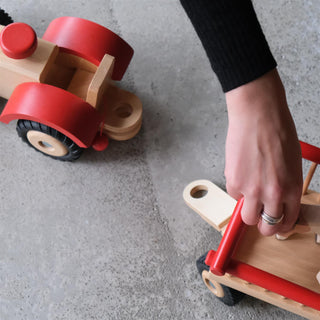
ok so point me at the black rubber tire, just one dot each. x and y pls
(74, 151)
(231, 296)
(5, 19)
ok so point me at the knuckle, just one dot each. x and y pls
(275, 192)
(278, 192)
(253, 192)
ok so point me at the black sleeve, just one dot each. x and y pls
(233, 39)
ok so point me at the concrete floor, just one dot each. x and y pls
(109, 236)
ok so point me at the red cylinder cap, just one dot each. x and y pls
(18, 40)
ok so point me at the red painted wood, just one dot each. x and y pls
(100, 142)
(18, 40)
(273, 283)
(229, 241)
(310, 152)
(90, 41)
(220, 262)
(55, 108)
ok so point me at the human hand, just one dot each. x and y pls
(263, 157)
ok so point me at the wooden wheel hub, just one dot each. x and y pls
(47, 144)
(214, 286)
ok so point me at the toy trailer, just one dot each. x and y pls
(283, 273)
(61, 88)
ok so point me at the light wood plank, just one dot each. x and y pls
(215, 207)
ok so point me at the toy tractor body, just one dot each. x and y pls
(61, 88)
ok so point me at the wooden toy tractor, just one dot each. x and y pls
(61, 88)
(282, 270)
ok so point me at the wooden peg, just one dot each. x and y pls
(309, 221)
(308, 178)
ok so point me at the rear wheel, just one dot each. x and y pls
(225, 294)
(48, 140)
(5, 19)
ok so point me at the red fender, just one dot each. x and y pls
(55, 108)
(310, 152)
(90, 41)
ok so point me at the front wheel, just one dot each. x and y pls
(48, 140)
(228, 296)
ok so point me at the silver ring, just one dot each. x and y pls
(270, 220)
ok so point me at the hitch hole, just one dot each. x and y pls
(199, 192)
(123, 110)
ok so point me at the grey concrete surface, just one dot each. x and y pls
(109, 237)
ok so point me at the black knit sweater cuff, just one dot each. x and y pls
(233, 39)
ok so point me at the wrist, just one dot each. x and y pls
(260, 93)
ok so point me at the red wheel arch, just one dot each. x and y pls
(55, 108)
(90, 41)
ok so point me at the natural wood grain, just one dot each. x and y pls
(215, 207)
(100, 81)
(260, 293)
(32, 69)
(308, 178)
